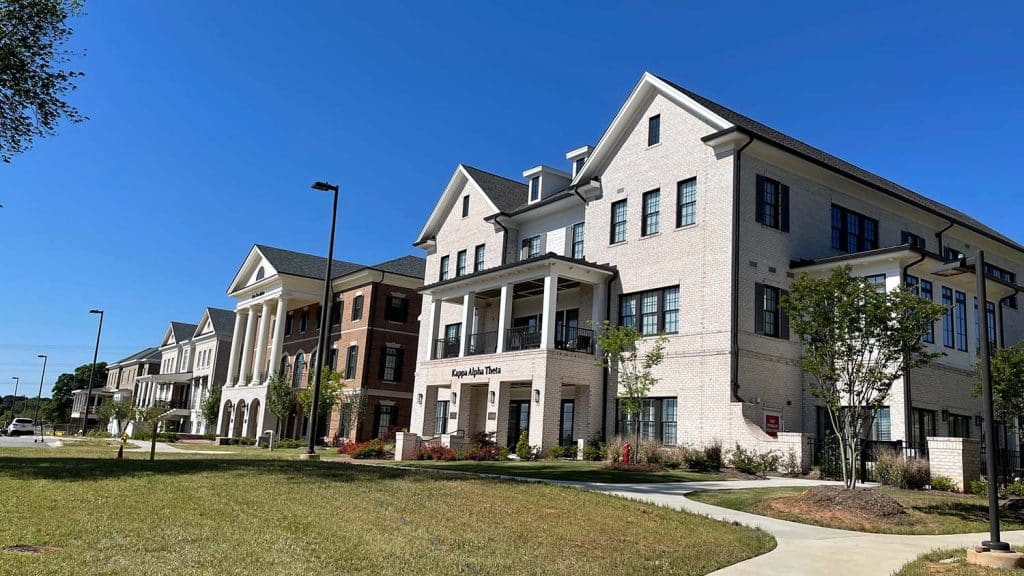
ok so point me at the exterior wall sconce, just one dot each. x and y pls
(490, 396)
(419, 399)
(536, 396)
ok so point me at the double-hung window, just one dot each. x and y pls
(531, 247)
(441, 417)
(990, 312)
(442, 275)
(350, 362)
(465, 206)
(654, 130)
(336, 311)
(652, 213)
(478, 257)
(948, 323)
(460, 263)
(686, 203)
(651, 312)
(922, 288)
(357, 308)
(577, 240)
(912, 239)
(534, 188)
(769, 320)
(618, 227)
(391, 364)
(398, 309)
(772, 203)
(961, 321)
(852, 231)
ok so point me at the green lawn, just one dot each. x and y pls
(569, 470)
(930, 512)
(932, 564)
(261, 513)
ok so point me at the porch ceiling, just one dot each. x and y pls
(527, 289)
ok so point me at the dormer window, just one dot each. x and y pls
(578, 165)
(534, 188)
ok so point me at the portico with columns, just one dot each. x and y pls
(513, 350)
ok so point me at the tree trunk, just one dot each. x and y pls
(152, 443)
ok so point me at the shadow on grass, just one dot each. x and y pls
(73, 469)
(971, 512)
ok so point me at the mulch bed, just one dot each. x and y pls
(26, 549)
(864, 501)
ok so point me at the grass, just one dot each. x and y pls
(929, 512)
(256, 512)
(931, 564)
(568, 470)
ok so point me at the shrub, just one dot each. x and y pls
(503, 453)
(613, 449)
(593, 451)
(289, 443)
(427, 452)
(553, 453)
(791, 466)
(713, 456)
(892, 468)
(753, 462)
(943, 484)
(163, 436)
(979, 487)
(647, 452)
(1014, 489)
(364, 450)
(523, 449)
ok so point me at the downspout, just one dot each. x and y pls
(604, 373)
(734, 312)
(908, 405)
(504, 240)
(939, 236)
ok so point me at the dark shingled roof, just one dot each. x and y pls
(507, 195)
(223, 320)
(310, 266)
(857, 173)
(182, 331)
(142, 355)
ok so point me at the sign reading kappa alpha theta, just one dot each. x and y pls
(476, 371)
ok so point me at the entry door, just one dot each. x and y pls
(565, 429)
(518, 421)
(452, 340)
(567, 323)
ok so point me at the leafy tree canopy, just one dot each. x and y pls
(1007, 383)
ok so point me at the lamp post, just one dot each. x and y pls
(92, 373)
(993, 543)
(14, 402)
(39, 397)
(321, 343)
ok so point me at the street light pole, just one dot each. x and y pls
(321, 343)
(14, 402)
(39, 397)
(993, 543)
(92, 373)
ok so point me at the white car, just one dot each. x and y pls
(20, 426)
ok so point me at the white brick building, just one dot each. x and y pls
(687, 219)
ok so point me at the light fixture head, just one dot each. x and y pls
(40, 355)
(324, 186)
(94, 311)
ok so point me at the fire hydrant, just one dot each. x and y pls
(625, 453)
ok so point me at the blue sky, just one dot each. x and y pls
(209, 120)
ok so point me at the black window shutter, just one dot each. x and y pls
(783, 318)
(383, 364)
(784, 210)
(759, 308)
(399, 358)
(761, 216)
(404, 310)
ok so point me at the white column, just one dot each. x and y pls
(435, 326)
(504, 315)
(278, 341)
(236, 345)
(261, 344)
(250, 330)
(468, 303)
(550, 308)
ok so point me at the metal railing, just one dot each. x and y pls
(522, 338)
(446, 348)
(1008, 464)
(574, 339)
(483, 343)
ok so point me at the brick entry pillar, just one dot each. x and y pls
(956, 458)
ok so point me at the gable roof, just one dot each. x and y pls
(413, 266)
(182, 331)
(312, 266)
(503, 195)
(506, 194)
(140, 356)
(223, 320)
(724, 119)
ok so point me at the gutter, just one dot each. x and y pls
(734, 312)
(908, 404)
(940, 233)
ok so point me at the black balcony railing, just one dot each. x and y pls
(574, 339)
(483, 343)
(522, 338)
(446, 348)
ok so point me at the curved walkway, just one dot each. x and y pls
(802, 548)
(144, 445)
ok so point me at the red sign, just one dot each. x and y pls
(771, 425)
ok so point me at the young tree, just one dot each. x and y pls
(633, 365)
(34, 79)
(280, 399)
(151, 417)
(209, 408)
(331, 392)
(1007, 369)
(120, 411)
(352, 407)
(857, 340)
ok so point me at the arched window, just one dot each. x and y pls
(260, 274)
(300, 367)
(285, 366)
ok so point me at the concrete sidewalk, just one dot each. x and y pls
(802, 549)
(164, 447)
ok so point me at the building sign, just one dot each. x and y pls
(771, 424)
(476, 371)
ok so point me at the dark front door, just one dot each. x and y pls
(565, 431)
(518, 421)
